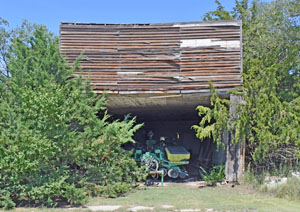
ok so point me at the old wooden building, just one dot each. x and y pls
(158, 72)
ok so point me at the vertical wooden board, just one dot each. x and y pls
(235, 157)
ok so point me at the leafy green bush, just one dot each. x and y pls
(216, 174)
(5, 200)
(56, 144)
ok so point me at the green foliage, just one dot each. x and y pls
(56, 144)
(4, 35)
(215, 175)
(253, 180)
(270, 85)
(214, 120)
(289, 190)
(269, 116)
(5, 200)
(218, 14)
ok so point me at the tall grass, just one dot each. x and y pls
(288, 190)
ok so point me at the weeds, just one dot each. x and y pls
(289, 190)
(216, 174)
(281, 185)
(253, 180)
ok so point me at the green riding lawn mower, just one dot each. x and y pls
(162, 157)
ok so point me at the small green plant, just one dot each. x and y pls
(216, 174)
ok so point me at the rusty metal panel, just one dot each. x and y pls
(158, 58)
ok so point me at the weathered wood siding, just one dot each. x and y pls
(156, 58)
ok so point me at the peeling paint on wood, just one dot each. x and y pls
(210, 43)
(130, 73)
(209, 24)
(155, 58)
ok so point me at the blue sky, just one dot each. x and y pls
(52, 12)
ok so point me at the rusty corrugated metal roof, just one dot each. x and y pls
(156, 58)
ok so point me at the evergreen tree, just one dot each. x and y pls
(269, 117)
(56, 142)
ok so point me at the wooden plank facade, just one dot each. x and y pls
(178, 58)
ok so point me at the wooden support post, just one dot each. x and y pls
(235, 156)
